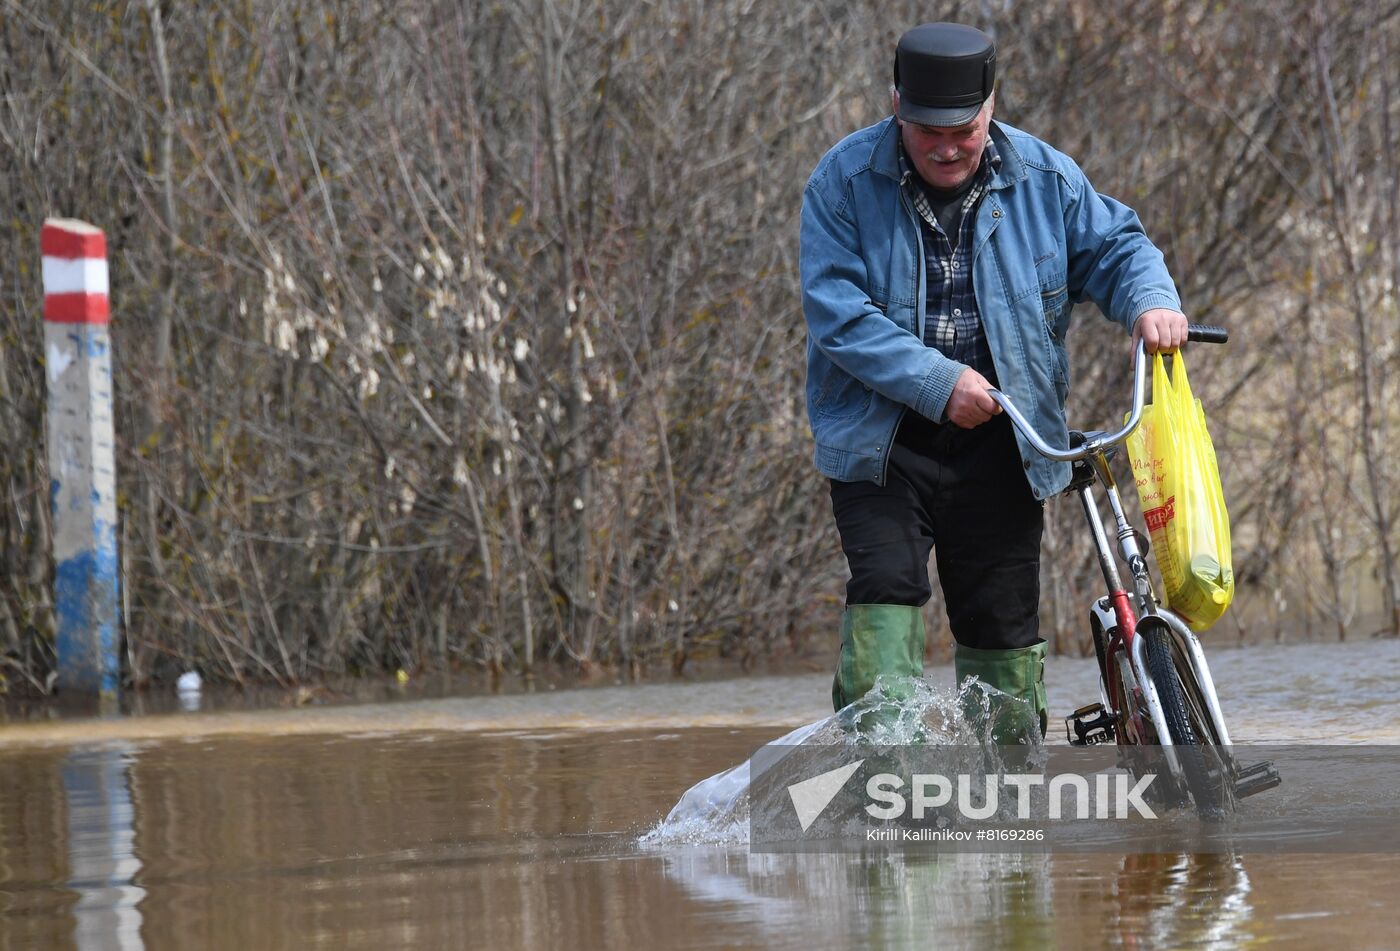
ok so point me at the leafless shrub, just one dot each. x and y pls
(469, 333)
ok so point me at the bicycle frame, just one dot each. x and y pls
(1125, 650)
(1128, 619)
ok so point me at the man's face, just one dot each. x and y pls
(946, 157)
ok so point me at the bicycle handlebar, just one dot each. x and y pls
(1195, 333)
(1204, 333)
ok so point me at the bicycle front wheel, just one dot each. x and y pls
(1191, 733)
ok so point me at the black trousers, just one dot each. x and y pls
(962, 493)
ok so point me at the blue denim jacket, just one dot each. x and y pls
(1044, 240)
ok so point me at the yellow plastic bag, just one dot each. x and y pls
(1179, 486)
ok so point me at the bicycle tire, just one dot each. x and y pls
(1198, 713)
(1207, 786)
(1196, 709)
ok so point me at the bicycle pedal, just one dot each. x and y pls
(1089, 726)
(1256, 779)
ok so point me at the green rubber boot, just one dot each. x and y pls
(1020, 673)
(876, 639)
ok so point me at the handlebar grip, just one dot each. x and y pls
(1202, 333)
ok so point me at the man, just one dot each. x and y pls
(941, 254)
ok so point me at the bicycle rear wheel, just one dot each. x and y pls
(1191, 731)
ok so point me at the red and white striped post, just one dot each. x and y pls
(82, 461)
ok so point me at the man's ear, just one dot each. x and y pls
(894, 101)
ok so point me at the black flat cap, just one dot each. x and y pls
(943, 72)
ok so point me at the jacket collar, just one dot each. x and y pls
(884, 157)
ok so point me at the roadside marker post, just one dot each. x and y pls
(82, 460)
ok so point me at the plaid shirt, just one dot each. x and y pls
(951, 321)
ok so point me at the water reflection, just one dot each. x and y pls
(433, 840)
(879, 899)
(1199, 901)
(102, 861)
(893, 899)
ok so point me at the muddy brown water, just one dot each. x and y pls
(514, 822)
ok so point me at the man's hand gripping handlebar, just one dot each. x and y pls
(1196, 333)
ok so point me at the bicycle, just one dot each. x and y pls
(1155, 687)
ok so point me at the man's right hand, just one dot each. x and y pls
(970, 406)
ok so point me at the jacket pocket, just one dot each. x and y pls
(1055, 306)
(1053, 301)
(841, 396)
(1054, 286)
(1060, 362)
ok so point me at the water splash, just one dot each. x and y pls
(897, 712)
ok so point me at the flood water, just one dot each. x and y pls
(514, 822)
